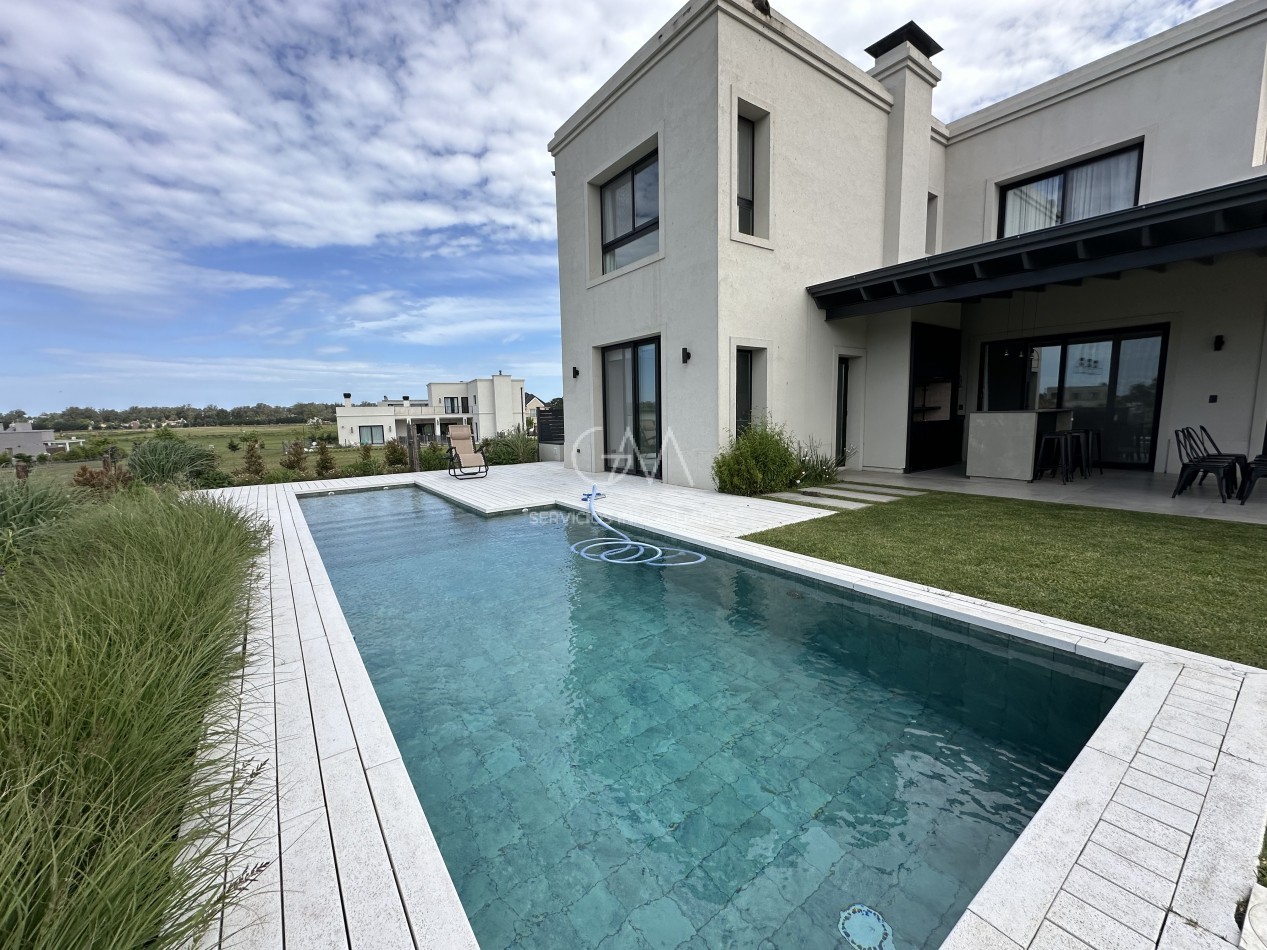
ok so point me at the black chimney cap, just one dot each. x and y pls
(910, 33)
(347, 395)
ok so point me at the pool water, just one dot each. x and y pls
(705, 756)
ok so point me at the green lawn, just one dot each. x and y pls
(1192, 583)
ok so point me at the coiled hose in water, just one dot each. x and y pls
(622, 549)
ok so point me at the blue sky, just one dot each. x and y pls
(236, 201)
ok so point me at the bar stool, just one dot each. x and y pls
(1060, 444)
(1089, 449)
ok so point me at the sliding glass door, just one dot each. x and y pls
(1111, 381)
(631, 408)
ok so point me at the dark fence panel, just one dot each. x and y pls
(550, 426)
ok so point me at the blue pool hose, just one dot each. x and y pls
(624, 550)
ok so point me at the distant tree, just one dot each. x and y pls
(233, 445)
(366, 452)
(395, 454)
(555, 404)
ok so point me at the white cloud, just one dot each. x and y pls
(137, 132)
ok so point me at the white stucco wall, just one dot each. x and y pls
(1191, 94)
(672, 295)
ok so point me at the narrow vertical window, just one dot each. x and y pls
(743, 390)
(630, 209)
(747, 175)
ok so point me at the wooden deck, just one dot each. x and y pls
(335, 844)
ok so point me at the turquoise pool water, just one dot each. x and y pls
(706, 756)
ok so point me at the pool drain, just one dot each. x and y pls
(622, 549)
(864, 928)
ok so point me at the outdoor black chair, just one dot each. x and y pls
(1213, 451)
(1194, 463)
(1253, 472)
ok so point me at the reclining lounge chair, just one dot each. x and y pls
(464, 460)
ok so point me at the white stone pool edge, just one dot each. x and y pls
(1148, 840)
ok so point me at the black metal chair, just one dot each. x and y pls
(1253, 472)
(1213, 450)
(1194, 462)
(1060, 454)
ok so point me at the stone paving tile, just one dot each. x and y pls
(1095, 927)
(1144, 853)
(1120, 904)
(1181, 934)
(1155, 807)
(1051, 937)
(1124, 872)
(1150, 829)
(1195, 748)
(1202, 701)
(1174, 774)
(1168, 792)
(1177, 757)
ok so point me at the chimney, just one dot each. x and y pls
(903, 66)
(405, 400)
(347, 399)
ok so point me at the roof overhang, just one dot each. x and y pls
(1194, 227)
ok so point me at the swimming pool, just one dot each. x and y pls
(695, 755)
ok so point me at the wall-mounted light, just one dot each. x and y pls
(575, 372)
(1218, 342)
(686, 355)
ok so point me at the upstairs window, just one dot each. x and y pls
(1083, 190)
(747, 183)
(630, 205)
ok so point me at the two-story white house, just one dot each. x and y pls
(751, 224)
(489, 405)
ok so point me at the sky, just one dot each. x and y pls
(241, 201)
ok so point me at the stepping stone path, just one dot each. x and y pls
(844, 496)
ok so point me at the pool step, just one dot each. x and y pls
(842, 503)
(849, 493)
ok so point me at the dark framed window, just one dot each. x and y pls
(450, 405)
(1099, 185)
(371, 435)
(743, 388)
(466, 404)
(1111, 380)
(747, 185)
(630, 205)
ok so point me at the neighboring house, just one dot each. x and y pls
(21, 438)
(749, 224)
(531, 405)
(488, 405)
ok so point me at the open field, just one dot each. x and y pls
(217, 438)
(1188, 582)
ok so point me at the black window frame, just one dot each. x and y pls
(1063, 172)
(466, 404)
(652, 158)
(450, 405)
(382, 435)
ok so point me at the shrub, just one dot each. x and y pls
(170, 460)
(280, 476)
(213, 479)
(433, 458)
(295, 458)
(510, 448)
(325, 460)
(365, 452)
(102, 479)
(395, 454)
(361, 468)
(26, 510)
(121, 645)
(252, 464)
(234, 446)
(817, 466)
(760, 460)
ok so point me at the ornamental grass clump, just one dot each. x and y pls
(171, 461)
(121, 650)
(511, 448)
(760, 460)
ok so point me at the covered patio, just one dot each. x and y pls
(1119, 489)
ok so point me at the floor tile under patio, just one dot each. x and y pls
(1115, 488)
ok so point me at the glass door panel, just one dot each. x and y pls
(618, 409)
(648, 409)
(631, 408)
(1045, 376)
(1128, 437)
